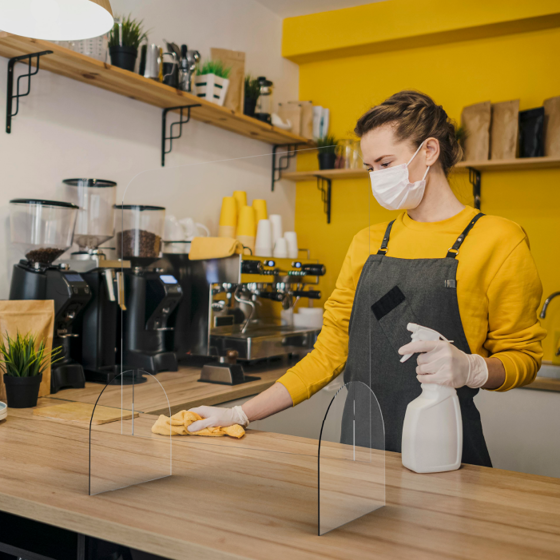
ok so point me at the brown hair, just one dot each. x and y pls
(415, 117)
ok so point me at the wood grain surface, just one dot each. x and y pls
(81, 412)
(257, 498)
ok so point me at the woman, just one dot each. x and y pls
(440, 264)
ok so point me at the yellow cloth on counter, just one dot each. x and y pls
(214, 248)
(498, 290)
(177, 426)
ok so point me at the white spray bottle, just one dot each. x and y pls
(432, 438)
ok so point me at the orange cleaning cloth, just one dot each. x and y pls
(177, 426)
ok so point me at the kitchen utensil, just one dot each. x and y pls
(173, 47)
(264, 107)
(261, 212)
(277, 232)
(189, 61)
(171, 70)
(82, 413)
(152, 69)
(280, 249)
(292, 242)
(246, 228)
(241, 199)
(263, 244)
(228, 217)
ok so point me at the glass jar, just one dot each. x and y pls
(348, 154)
(139, 231)
(263, 110)
(42, 229)
(96, 198)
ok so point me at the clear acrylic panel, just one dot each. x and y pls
(123, 451)
(351, 477)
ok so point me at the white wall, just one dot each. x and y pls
(68, 129)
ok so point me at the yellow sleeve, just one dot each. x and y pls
(514, 331)
(328, 357)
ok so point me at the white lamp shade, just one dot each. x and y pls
(56, 20)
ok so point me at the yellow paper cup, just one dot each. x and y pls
(241, 199)
(246, 225)
(227, 231)
(261, 212)
(228, 216)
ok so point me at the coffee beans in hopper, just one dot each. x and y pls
(138, 243)
(44, 255)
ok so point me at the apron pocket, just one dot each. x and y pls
(393, 314)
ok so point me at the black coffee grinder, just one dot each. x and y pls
(43, 231)
(151, 295)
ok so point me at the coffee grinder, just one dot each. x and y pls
(43, 230)
(98, 325)
(151, 295)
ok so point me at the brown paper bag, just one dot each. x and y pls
(291, 112)
(235, 96)
(504, 130)
(476, 121)
(552, 127)
(306, 126)
(23, 316)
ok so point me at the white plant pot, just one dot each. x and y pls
(211, 87)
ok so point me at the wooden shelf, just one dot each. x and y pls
(519, 164)
(102, 75)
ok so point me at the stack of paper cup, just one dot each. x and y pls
(276, 224)
(261, 212)
(241, 199)
(228, 218)
(246, 227)
(280, 249)
(263, 245)
(291, 240)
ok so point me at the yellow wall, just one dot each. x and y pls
(522, 66)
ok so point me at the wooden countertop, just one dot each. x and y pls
(182, 388)
(233, 499)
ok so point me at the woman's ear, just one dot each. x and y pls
(431, 150)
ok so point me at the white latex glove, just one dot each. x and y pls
(444, 364)
(218, 416)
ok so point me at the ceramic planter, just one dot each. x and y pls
(124, 57)
(22, 392)
(326, 160)
(211, 87)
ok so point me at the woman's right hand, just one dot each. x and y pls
(218, 416)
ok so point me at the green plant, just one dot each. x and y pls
(214, 67)
(327, 144)
(132, 33)
(21, 357)
(252, 87)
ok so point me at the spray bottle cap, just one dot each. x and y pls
(421, 333)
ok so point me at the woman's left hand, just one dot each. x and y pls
(444, 364)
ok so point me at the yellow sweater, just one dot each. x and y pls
(498, 289)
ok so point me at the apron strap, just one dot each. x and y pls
(383, 248)
(454, 251)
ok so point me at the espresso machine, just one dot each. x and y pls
(43, 230)
(97, 348)
(151, 293)
(231, 306)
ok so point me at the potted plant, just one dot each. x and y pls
(327, 151)
(23, 361)
(124, 40)
(211, 81)
(252, 92)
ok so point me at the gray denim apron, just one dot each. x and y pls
(391, 293)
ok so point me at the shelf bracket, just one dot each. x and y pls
(325, 186)
(180, 123)
(281, 162)
(475, 180)
(10, 97)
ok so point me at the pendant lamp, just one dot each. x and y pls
(56, 20)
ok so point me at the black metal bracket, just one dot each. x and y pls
(179, 123)
(10, 113)
(281, 162)
(326, 195)
(475, 180)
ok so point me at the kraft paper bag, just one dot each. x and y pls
(24, 316)
(235, 96)
(306, 122)
(476, 121)
(504, 130)
(552, 127)
(291, 112)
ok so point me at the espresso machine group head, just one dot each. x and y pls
(42, 230)
(151, 294)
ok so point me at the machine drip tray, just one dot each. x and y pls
(225, 374)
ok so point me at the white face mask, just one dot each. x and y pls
(393, 190)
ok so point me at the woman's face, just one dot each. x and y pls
(380, 149)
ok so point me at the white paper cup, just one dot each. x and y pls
(263, 244)
(280, 249)
(291, 240)
(276, 223)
